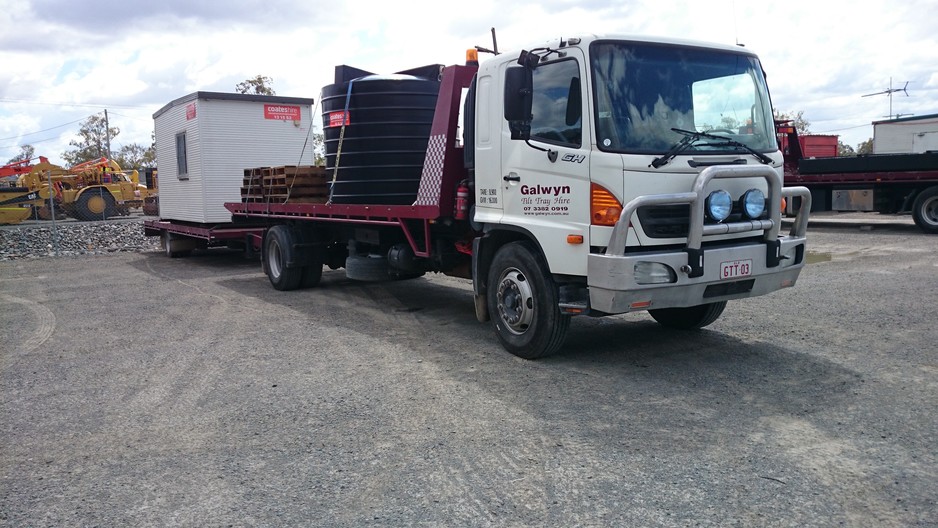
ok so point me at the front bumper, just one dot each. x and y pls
(775, 261)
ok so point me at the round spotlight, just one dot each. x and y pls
(719, 205)
(753, 203)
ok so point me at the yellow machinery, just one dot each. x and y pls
(93, 190)
(17, 203)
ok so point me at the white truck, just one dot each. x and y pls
(592, 176)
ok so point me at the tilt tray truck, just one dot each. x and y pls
(588, 177)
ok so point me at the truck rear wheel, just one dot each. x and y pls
(278, 250)
(689, 318)
(95, 205)
(523, 303)
(312, 274)
(925, 210)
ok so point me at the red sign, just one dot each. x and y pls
(190, 111)
(335, 119)
(282, 112)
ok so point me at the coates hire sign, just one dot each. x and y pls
(282, 112)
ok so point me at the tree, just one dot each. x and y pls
(802, 125)
(135, 156)
(259, 85)
(92, 143)
(319, 149)
(866, 147)
(844, 150)
(27, 152)
(729, 123)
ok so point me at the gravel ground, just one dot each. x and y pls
(70, 238)
(138, 390)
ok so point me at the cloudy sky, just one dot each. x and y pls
(64, 60)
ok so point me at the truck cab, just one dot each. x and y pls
(614, 174)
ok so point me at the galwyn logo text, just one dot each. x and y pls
(556, 190)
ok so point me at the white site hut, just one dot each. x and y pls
(205, 141)
(906, 135)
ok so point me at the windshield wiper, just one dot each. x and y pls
(739, 144)
(692, 137)
(682, 145)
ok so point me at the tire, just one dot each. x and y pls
(367, 268)
(278, 251)
(171, 249)
(312, 274)
(43, 212)
(925, 210)
(405, 275)
(689, 318)
(523, 303)
(314, 255)
(94, 204)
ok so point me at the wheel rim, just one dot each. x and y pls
(96, 204)
(930, 211)
(515, 301)
(274, 262)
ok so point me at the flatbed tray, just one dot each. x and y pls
(334, 212)
(927, 161)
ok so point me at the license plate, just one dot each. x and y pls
(735, 268)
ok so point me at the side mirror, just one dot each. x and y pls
(519, 90)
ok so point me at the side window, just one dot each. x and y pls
(182, 166)
(558, 103)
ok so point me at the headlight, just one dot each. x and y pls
(654, 273)
(753, 203)
(719, 205)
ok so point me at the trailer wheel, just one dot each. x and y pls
(925, 210)
(278, 250)
(170, 246)
(523, 303)
(689, 318)
(94, 205)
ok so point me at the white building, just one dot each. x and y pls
(907, 135)
(205, 140)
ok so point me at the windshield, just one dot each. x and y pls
(642, 91)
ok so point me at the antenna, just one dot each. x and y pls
(735, 28)
(889, 91)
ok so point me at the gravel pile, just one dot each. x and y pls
(74, 238)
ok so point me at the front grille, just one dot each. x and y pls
(664, 221)
(671, 221)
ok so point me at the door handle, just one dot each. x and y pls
(512, 177)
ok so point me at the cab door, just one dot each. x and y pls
(545, 184)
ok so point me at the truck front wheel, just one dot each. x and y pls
(689, 318)
(279, 245)
(925, 210)
(523, 303)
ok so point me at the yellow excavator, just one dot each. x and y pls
(93, 190)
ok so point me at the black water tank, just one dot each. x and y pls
(386, 136)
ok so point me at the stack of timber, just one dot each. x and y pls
(285, 184)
